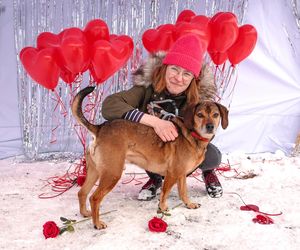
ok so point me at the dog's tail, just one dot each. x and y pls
(77, 110)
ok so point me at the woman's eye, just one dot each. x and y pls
(188, 74)
(174, 69)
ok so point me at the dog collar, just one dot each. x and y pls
(199, 137)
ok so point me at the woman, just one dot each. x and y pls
(163, 87)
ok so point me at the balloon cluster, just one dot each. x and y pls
(74, 51)
(219, 35)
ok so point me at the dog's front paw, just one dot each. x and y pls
(193, 205)
(86, 213)
(100, 225)
(164, 212)
(162, 208)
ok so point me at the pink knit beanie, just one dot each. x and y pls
(187, 53)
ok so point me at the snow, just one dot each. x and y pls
(217, 224)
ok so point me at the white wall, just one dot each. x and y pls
(265, 112)
(10, 135)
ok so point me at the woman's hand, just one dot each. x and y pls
(166, 130)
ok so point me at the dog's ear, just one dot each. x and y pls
(224, 115)
(189, 116)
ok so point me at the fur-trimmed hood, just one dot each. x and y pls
(143, 76)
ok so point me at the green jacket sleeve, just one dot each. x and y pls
(116, 105)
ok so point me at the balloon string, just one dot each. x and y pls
(228, 78)
(249, 207)
(196, 174)
(60, 102)
(215, 74)
(222, 75)
(81, 134)
(225, 82)
(108, 89)
(76, 84)
(223, 67)
(232, 89)
(133, 178)
(61, 184)
(55, 119)
(53, 130)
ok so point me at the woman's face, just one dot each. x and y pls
(177, 79)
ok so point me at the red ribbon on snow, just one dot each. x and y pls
(261, 218)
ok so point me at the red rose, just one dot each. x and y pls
(80, 180)
(50, 229)
(157, 225)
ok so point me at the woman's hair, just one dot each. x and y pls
(159, 80)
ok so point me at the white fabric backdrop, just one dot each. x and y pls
(10, 134)
(264, 114)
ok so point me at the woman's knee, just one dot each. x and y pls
(213, 158)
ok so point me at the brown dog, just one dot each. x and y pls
(120, 140)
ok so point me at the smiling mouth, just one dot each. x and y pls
(176, 84)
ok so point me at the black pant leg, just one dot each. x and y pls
(212, 159)
(153, 176)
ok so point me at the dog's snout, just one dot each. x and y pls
(210, 127)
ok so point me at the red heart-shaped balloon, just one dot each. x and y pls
(50, 40)
(72, 32)
(185, 16)
(243, 45)
(123, 38)
(67, 76)
(218, 57)
(112, 37)
(108, 57)
(47, 40)
(215, 16)
(167, 34)
(201, 21)
(41, 66)
(158, 39)
(150, 39)
(95, 30)
(75, 51)
(184, 28)
(224, 32)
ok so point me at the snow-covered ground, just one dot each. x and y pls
(217, 224)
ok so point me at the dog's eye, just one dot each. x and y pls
(215, 115)
(200, 115)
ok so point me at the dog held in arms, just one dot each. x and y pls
(120, 140)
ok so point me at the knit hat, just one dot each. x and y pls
(186, 52)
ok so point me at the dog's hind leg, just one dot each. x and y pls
(183, 194)
(166, 189)
(91, 178)
(106, 184)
